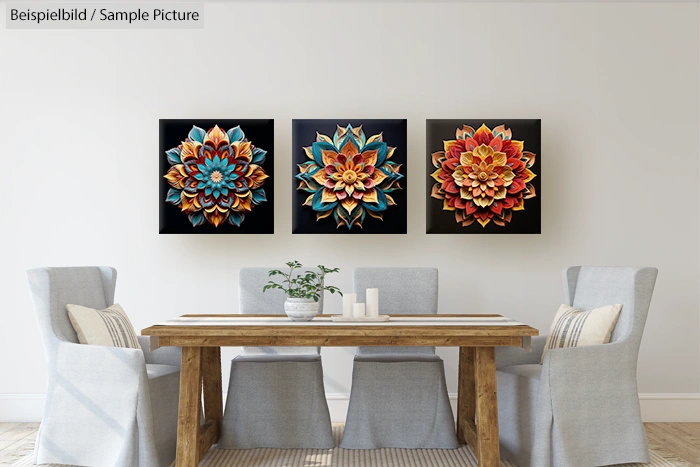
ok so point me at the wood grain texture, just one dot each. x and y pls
(340, 330)
(212, 389)
(486, 407)
(208, 437)
(428, 334)
(17, 431)
(7, 426)
(190, 408)
(14, 438)
(682, 439)
(470, 437)
(466, 390)
(339, 341)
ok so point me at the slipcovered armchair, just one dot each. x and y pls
(105, 406)
(580, 406)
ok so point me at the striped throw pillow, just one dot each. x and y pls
(573, 327)
(110, 327)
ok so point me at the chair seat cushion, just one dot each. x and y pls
(156, 371)
(531, 371)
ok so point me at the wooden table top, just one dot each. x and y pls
(416, 326)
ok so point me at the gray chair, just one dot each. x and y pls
(105, 406)
(580, 407)
(399, 395)
(276, 397)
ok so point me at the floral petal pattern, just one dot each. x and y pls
(348, 175)
(216, 176)
(483, 175)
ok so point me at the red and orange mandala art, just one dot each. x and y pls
(483, 175)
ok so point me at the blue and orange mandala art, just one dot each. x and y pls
(216, 176)
(349, 176)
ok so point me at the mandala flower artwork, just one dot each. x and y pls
(349, 176)
(483, 175)
(215, 176)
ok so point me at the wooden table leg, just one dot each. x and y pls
(466, 401)
(213, 403)
(489, 452)
(477, 404)
(190, 408)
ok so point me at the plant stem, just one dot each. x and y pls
(319, 287)
(289, 280)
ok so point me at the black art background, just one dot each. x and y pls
(527, 221)
(304, 218)
(261, 134)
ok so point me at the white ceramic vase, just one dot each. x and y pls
(300, 309)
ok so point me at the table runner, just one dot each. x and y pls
(325, 320)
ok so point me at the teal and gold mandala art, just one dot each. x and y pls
(349, 176)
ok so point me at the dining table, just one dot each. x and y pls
(201, 337)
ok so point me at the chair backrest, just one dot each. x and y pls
(402, 291)
(592, 287)
(253, 301)
(54, 288)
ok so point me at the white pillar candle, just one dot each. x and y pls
(358, 310)
(349, 300)
(372, 301)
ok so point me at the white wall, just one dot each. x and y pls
(616, 86)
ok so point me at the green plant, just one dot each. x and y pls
(307, 285)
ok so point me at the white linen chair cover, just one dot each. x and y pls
(581, 406)
(276, 396)
(105, 406)
(399, 395)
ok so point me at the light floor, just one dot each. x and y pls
(675, 440)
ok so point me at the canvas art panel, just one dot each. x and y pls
(216, 176)
(483, 176)
(349, 176)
